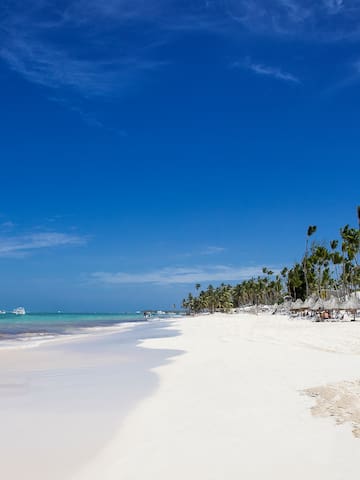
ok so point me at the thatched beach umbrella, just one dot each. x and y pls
(319, 304)
(297, 305)
(332, 304)
(352, 304)
(309, 303)
(287, 305)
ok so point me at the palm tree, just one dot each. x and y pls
(188, 303)
(336, 259)
(317, 272)
(310, 231)
(320, 258)
(296, 282)
(350, 247)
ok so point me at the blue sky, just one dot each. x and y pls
(149, 145)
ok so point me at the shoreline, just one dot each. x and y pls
(60, 403)
(30, 333)
(30, 340)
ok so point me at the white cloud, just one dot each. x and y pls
(53, 67)
(93, 47)
(273, 72)
(212, 250)
(9, 225)
(21, 245)
(268, 71)
(326, 20)
(96, 62)
(351, 79)
(180, 275)
(87, 117)
(334, 6)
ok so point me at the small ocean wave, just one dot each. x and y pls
(26, 340)
(34, 329)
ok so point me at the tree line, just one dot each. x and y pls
(325, 269)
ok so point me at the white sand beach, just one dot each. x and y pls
(231, 396)
(232, 405)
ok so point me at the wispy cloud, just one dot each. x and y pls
(350, 79)
(52, 67)
(8, 225)
(87, 117)
(273, 72)
(325, 20)
(96, 47)
(267, 71)
(24, 244)
(209, 250)
(179, 275)
(35, 43)
(212, 250)
(334, 6)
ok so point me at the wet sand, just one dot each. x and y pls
(62, 402)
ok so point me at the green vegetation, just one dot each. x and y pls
(325, 269)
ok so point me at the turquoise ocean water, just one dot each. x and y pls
(42, 326)
(34, 328)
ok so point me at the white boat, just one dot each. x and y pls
(19, 311)
(2, 312)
